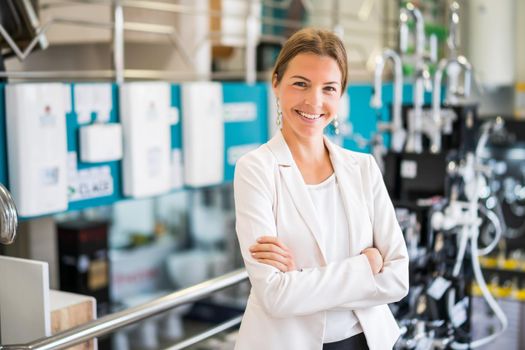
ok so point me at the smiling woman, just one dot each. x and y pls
(308, 94)
(310, 71)
(317, 230)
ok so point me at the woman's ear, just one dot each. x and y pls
(275, 84)
(275, 81)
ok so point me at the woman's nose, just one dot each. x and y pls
(314, 97)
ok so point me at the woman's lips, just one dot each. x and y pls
(308, 116)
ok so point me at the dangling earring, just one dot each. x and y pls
(335, 124)
(279, 120)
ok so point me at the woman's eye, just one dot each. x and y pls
(330, 89)
(300, 84)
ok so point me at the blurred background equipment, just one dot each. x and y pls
(121, 122)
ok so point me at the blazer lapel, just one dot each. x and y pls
(294, 182)
(349, 180)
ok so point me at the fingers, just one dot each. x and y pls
(271, 251)
(272, 240)
(268, 248)
(375, 259)
(375, 250)
(278, 265)
(271, 256)
(288, 262)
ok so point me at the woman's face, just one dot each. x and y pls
(309, 94)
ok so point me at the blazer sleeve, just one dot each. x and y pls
(298, 292)
(392, 282)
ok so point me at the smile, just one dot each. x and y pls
(308, 115)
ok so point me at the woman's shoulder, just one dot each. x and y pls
(360, 158)
(259, 158)
(365, 162)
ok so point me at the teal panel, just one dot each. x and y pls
(3, 138)
(244, 134)
(364, 118)
(176, 135)
(176, 128)
(90, 188)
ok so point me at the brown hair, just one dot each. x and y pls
(311, 40)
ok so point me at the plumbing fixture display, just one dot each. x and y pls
(396, 126)
(414, 141)
(8, 217)
(504, 188)
(100, 143)
(445, 191)
(445, 255)
(202, 133)
(145, 118)
(441, 122)
(37, 148)
(425, 130)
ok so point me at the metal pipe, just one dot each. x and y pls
(137, 74)
(190, 10)
(206, 334)
(252, 38)
(443, 66)
(413, 11)
(337, 27)
(176, 8)
(135, 314)
(398, 133)
(462, 62)
(8, 217)
(415, 120)
(453, 35)
(37, 39)
(118, 41)
(171, 32)
(66, 74)
(415, 140)
(140, 4)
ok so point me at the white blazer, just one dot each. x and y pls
(288, 310)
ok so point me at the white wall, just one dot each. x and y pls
(520, 40)
(498, 101)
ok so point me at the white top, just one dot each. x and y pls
(326, 197)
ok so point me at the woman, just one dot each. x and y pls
(316, 227)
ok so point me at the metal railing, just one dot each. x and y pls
(112, 322)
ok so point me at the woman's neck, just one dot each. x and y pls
(306, 149)
(311, 157)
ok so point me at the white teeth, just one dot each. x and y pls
(309, 116)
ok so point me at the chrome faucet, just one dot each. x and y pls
(422, 78)
(405, 12)
(422, 83)
(453, 92)
(8, 217)
(453, 66)
(396, 126)
(453, 28)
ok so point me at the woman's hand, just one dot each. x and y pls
(271, 251)
(374, 259)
